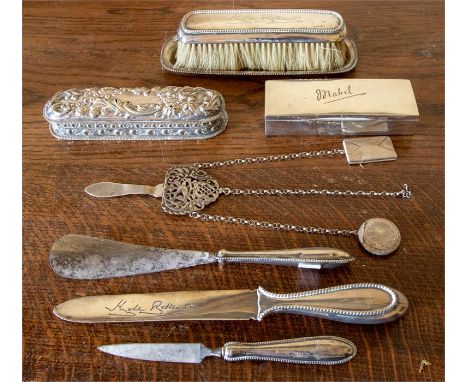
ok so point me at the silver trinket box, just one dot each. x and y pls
(159, 113)
(340, 107)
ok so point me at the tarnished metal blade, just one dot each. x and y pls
(87, 257)
(187, 353)
(169, 306)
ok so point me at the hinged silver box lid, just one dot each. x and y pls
(159, 113)
(340, 107)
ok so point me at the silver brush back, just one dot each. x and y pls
(260, 41)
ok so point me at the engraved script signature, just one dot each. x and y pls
(269, 18)
(157, 308)
(331, 96)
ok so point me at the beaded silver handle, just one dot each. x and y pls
(352, 303)
(324, 350)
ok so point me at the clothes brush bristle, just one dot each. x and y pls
(261, 56)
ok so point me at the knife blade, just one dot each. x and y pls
(86, 257)
(352, 303)
(322, 350)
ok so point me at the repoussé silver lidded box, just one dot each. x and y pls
(158, 113)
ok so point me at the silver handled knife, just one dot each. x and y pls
(352, 303)
(324, 350)
(87, 257)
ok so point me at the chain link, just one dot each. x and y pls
(271, 158)
(274, 226)
(404, 193)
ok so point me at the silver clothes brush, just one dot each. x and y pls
(260, 41)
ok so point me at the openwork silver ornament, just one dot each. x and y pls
(188, 189)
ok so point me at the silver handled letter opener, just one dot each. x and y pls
(87, 257)
(324, 350)
(352, 303)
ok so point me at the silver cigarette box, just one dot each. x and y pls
(340, 107)
(158, 113)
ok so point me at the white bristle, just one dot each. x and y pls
(261, 56)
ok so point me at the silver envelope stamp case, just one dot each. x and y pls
(158, 113)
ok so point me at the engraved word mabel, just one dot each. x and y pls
(337, 95)
(122, 308)
(326, 94)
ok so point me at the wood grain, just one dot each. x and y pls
(117, 43)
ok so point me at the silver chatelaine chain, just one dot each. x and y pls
(189, 189)
(274, 226)
(404, 193)
(271, 158)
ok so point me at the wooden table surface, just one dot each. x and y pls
(117, 43)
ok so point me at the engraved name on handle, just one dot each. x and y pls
(314, 258)
(109, 190)
(324, 350)
(353, 303)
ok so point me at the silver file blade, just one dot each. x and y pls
(87, 257)
(186, 353)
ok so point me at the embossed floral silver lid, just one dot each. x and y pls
(159, 113)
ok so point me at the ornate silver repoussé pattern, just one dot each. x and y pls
(159, 113)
